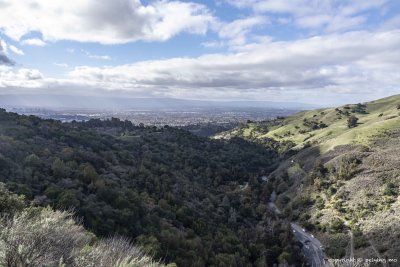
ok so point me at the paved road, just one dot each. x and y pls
(312, 248)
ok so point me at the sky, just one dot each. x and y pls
(323, 52)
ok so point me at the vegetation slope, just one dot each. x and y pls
(34, 236)
(326, 128)
(342, 178)
(183, 198)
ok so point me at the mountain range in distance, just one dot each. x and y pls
(116, 103)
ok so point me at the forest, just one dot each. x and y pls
(182, 198)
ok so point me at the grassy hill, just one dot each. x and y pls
(340, 182)
(327, 128)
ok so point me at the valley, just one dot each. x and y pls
(200, 133)
(306, 188)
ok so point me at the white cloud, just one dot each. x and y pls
(33, 41)
(93, 56)
(356, 63)
(329, 15)
(3, 47)
(26, 78)
(236, 32)
(4, 59)
(319, 63)
(16, 50)
(106, 22)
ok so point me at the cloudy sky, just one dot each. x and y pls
(313, 51)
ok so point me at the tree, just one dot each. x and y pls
(352, 121)
(58, 168)
(32, 160)
(10, 203)
(89, 173)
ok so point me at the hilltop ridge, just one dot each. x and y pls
(327, 128)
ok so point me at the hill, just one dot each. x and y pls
(183, 198)
(327, 128)
(340, 180)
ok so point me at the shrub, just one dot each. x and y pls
(359, 239)
(10, 203)
(352, 121)
(347, 168)
(115, 251)
(337, 226)
(391, 189)
(42, 237)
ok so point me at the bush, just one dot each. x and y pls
(391, 189)
(40, 237)
(10, 203)
(43, 237)
(347, 168)
(115, 251)
(337, 226)
(352, 121)
(336, 244)
(359, 239)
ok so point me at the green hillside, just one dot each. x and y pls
(340, 182)
(327, 128)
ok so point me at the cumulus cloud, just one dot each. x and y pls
(16, 50)
(4, 60)
(106, 22)
(25, 78)
(336, 65)
(357, 61)
(33, 41)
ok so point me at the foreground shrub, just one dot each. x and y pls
(36, 237)
(10, 203)
(115, 251)
(40, 237)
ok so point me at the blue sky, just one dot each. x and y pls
(325, 51)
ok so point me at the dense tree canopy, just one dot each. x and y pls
(185, 198)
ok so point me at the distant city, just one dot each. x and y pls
(171, 117)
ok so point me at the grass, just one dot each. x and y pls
(369, 200)
(381, 116)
